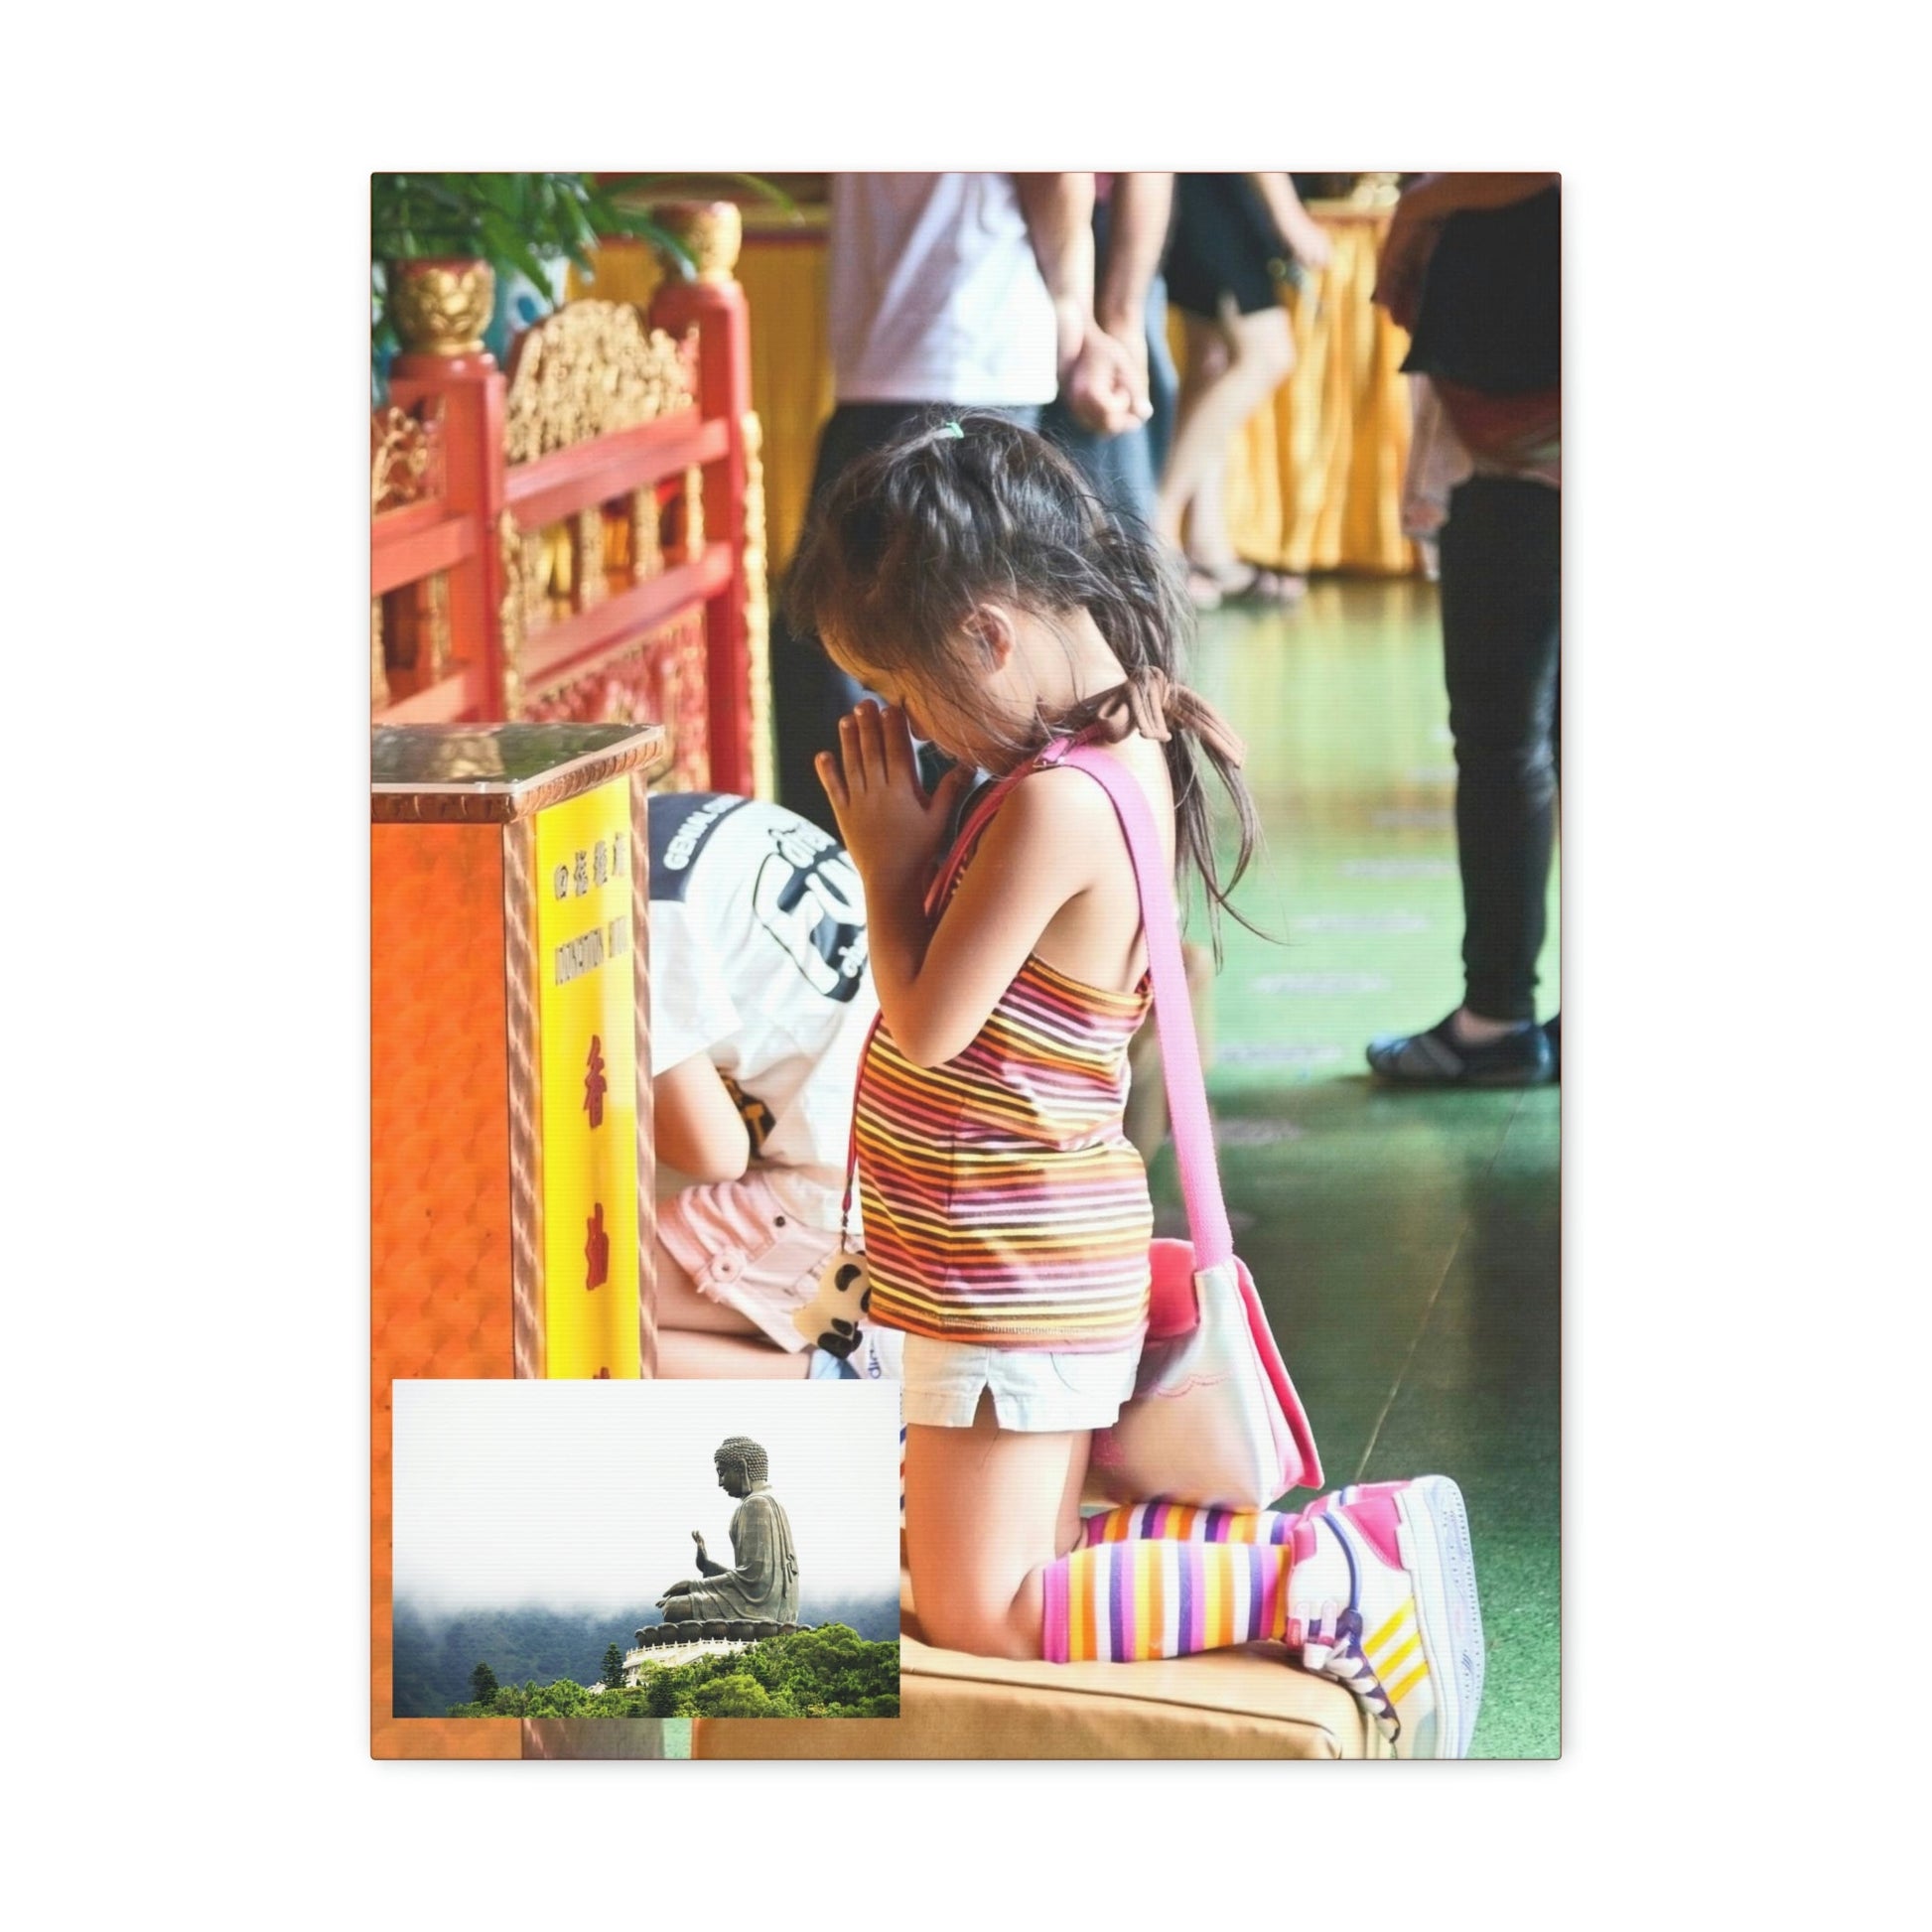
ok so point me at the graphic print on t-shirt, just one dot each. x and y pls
(807, 892)
(681, 822)
(807, 895)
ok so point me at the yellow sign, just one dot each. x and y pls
(587, 1024)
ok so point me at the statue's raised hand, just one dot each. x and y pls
(697, 1537)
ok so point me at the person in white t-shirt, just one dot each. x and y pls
(761, 1001)
(953, 291)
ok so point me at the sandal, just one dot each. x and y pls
(1253, 584)
(1437, 1058)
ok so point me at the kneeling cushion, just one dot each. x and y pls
(1242, 1703)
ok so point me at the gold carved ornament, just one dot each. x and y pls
(758, 609)
(588, 370)
(404, 453)
(588, 545)
(509, 612)
(546, 574)
(693, 513)
(713, 232)
(378, 670)
(647, 546)
(436, 601)
(440, 307)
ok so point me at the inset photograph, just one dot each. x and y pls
(609, 1548)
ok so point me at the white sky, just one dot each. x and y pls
(583, 1495)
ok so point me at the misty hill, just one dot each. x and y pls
(435, 1651)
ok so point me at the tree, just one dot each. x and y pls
(612, 1674)
(483, 1682)
(735, 1695)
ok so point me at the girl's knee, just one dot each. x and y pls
(983, 1615)
(984, 1630)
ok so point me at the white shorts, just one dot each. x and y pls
(1033, 1388)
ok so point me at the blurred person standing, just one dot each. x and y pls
(1236, 239)
(1472, 267)
(953, 291)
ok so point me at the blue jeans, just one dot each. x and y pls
(1125, 470)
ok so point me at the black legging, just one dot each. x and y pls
(1501, 572)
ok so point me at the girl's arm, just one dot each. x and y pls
(699, 1130)
(938, 983)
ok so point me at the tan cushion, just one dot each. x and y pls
(1243, 1703)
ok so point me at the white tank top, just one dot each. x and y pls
(935, 296)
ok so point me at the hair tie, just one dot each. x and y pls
(1151, 703)
(949, 429)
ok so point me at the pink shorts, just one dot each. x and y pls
(740, 1248)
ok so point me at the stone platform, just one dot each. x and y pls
(663, 1646)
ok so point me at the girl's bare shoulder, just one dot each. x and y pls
(1087, 807)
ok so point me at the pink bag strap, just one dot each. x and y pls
(1174, 1015)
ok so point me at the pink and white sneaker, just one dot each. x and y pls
(1382, 1597)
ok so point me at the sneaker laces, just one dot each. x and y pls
(1347, 1663)
(1339, 1655)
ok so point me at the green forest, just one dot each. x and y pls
(830, 1672)
(437, 1651)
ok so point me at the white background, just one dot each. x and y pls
(1743, 863)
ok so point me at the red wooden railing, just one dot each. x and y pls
(584, 536)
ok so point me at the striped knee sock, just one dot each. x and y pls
(1177, 1522)
(1121, 1603)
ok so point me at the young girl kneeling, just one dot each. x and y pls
(966, 577)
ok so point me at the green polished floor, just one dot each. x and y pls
(1406, 1243)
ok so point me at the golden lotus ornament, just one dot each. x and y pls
(441, 306)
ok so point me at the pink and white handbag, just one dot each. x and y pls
(1214, 1420)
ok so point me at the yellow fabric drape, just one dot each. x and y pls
(1314, 480)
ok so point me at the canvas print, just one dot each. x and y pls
(965, 808)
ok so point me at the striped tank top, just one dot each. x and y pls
(1002, 1203)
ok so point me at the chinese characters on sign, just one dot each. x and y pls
(587, 1016)
(605, 863)
(595, 1084)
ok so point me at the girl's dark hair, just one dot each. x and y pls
(913, 536)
